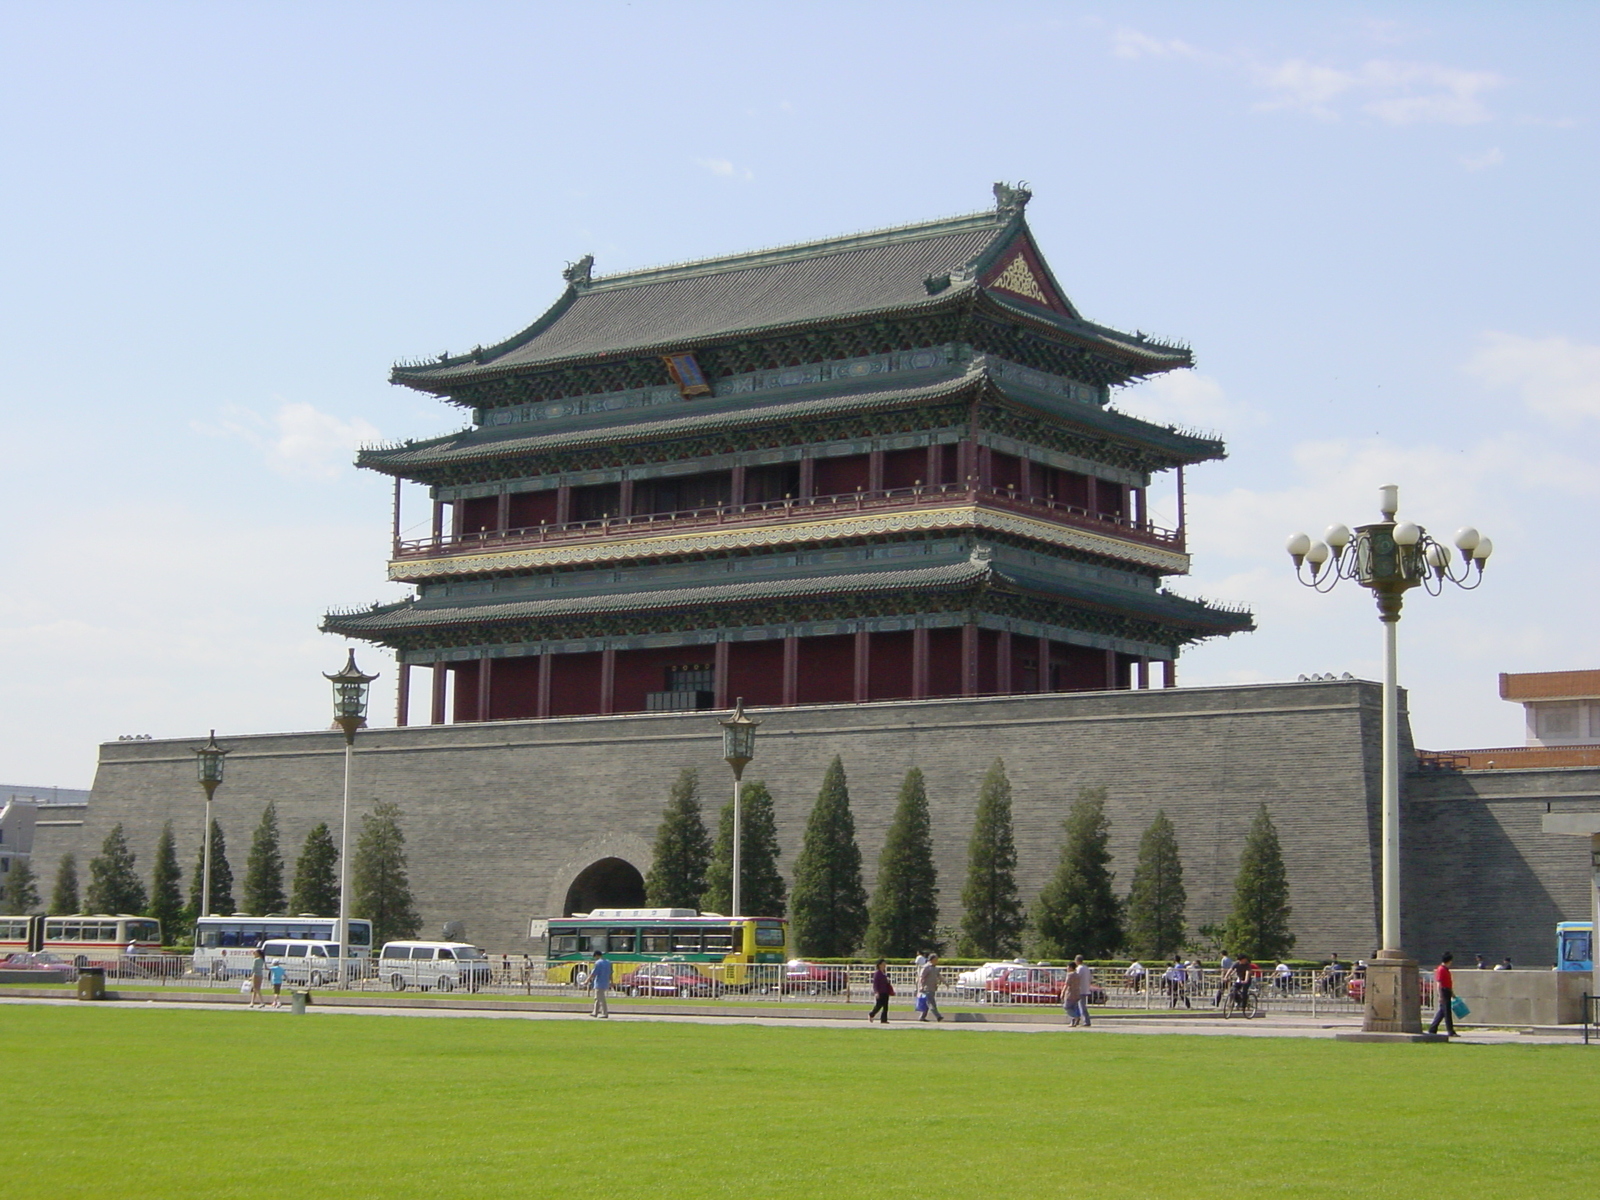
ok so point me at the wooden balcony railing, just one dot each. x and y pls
(812, 508)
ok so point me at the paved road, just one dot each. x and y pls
(1287, 1026)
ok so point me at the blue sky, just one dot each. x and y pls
(1374, 223)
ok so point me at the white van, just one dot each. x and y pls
(307, 962)
(439, 965)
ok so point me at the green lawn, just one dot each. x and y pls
(234, 1103)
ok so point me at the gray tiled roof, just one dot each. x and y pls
(448, 612)
(709, 415)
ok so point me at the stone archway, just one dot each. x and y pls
(606, 883)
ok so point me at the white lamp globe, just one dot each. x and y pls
(1298, 544)
(1337, 536)
(1407, 534)
(1467, 539)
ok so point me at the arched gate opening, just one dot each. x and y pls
(608, 883)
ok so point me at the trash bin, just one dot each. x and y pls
(298, 1001)
(91, 983)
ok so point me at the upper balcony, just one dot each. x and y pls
(796, 511)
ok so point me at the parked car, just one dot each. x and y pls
(308, 962)
(1027, 985)
(973, 984)
(41, 966)
(439, 965)
(813, 978)
(666, 979)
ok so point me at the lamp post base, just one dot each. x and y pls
(1393, 1002)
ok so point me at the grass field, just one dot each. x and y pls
(230, 1103)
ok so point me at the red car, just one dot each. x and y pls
(1033, 985)
(813, 978)
(667, 979)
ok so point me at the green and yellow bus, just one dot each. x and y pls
(721, 948)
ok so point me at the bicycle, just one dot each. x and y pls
(1240, 998)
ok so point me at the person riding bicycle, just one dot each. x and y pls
(1243, 976)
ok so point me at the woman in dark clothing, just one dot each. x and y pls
(882, 989)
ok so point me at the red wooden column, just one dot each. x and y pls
(563, 504)
(458, 518)
(1111, 670)
(919, 662)
(608, 680)
(863, 665)
(966, 462)
(1171, 674)
(402, 703)
(969, 659)
(502, 512)
(1002, 671)
(546, 669)
(1144, 674)
(985, 467)
(625, 502)
(1025, 478)
(875, 471)
(1140, 515)
(441, 676)
(736, 487)
(485, 684)
(719, 673)
(808, 476)
(1183, 537)
(933, 471)
(438, 521)
(1044, 665)
(791, 669)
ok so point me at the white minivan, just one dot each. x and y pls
(438, 965)
(311, 963)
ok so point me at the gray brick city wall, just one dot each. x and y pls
(501, 816)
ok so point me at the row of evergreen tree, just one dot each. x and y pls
(1078, 911)
(380, 883)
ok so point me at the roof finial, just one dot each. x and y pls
(1011, 200)
(577, 274)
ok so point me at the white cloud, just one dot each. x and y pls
(297, 439)
(1491, 157)
(722, 167)
(1187, 399)
(1557, 378)
(1400, 93)
(1130, 43)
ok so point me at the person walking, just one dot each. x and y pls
(1085, 974)
(1177, 978)
(1072, 998)
(600, 981)
(928, 980)
(258, 969)
(276, 974)
(1447, 993)
(882, 989)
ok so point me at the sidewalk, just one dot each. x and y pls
(1203, 1026)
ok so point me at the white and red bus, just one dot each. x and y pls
(92, 940)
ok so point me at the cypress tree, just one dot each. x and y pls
(113, 886)
(263, 871)
(1258, 926)
(21, 895)
(380, 886)
(1078, 913)
(677, 877)
(992, 917)
(828, 910)
(64, 896)
(221, 876)
(316, 878)
(764, 893)
(905, 906)
(166, 887)
(1157, 899)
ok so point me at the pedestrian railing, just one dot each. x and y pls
(1591, 1017)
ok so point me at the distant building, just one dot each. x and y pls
(24, 811)
(1563, 724)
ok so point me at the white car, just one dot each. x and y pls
(442, 966)
(974, 984)
(313, 963)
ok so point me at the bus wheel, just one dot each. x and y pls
(814, 989)
(580, 975)
(316, 979)
(443, 984)
(219, 970)
(397, 982)
(630, 990)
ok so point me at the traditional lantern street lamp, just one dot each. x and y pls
(738, 748)
(349, 714)
(208, 764)
(1390, 558)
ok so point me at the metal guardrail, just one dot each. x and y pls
(1591, 1017)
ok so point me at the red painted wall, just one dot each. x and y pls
(889, 667)
(479, 514)
(827, 669)
(1079, 669)
(642, 671)
(528, 509)
(988, 662)
(465, 679)
(905, 468)
(840, 476)
(755, 670)
(944, 662)
(574, 684)
(1005, 470)
(514, 689)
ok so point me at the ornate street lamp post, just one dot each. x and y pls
(1390, 558)
(208, 762)
(349, 714)
(738, 748)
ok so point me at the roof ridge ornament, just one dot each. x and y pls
(579, 274)
(1008, 200)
